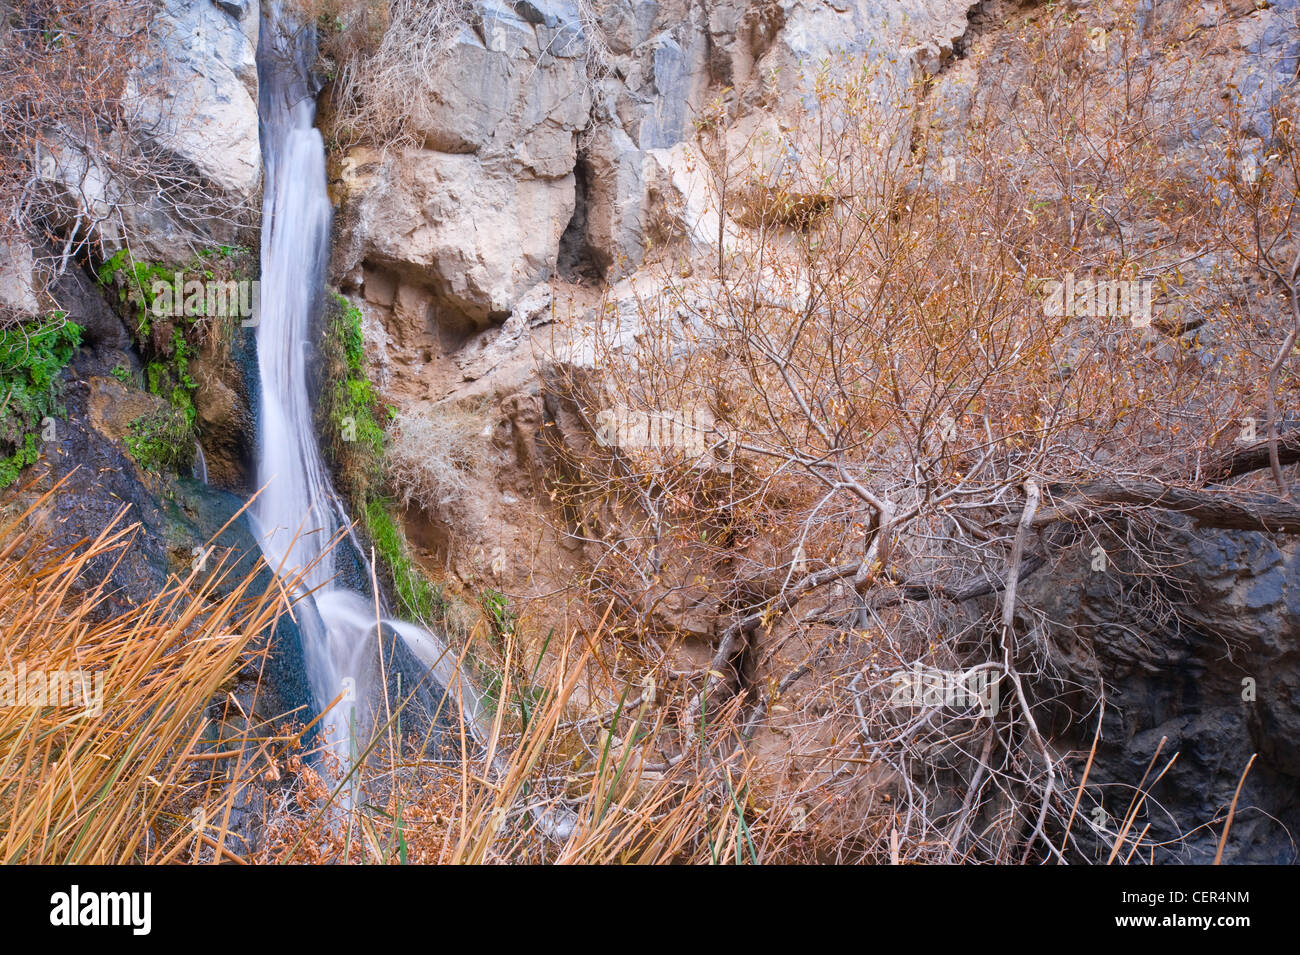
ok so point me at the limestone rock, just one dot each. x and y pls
(499, 123)
(17, 279)
(192, 104)
(199, 102)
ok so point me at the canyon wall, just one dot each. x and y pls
(546, 173)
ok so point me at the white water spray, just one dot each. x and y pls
(298, 514)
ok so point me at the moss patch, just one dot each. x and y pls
(417, 598)
(351, 419)
(32, 357)
(168, 337)
(352, 409)
(162, 441)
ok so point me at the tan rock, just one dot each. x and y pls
(112, 406)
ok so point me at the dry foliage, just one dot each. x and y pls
(897, 432)
(130, 779)
(899, 427)
(431, 457)
(159, 771)
(383, 58)
(582, 755)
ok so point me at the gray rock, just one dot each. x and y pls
(236, 8)
(1217, 673)
(666, 124)
(1271, 40)
(18, 279)
(615, 226)
(503, 31)
(515, 90)
(194, 102)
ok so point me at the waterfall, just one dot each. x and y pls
(297, 514)
(200, 464)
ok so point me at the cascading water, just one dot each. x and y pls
(298, 515)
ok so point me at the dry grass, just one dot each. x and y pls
(122, 785)
(432, 456)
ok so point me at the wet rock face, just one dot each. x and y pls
(178, 519)
(225, 370)
(194, 512)
(1207, 658)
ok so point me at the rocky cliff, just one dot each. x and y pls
(553, 159)
(546, 170)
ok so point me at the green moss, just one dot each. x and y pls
(161, 441)
(351, 420)
(135, 281)
(350, 337)
(417, 598)
(167, 341)
(115, 263)
(32, 357)
(355, 410)
(351, 412)
(12, 466)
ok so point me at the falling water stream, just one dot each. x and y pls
(299, 517)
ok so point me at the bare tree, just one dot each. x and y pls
(85, 128)
(917, 362)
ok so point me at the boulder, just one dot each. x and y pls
(476, 238)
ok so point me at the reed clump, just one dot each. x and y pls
(119, 769)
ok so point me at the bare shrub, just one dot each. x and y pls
(385, 59)
(65, 95)
(432, 456)
(906, 426)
